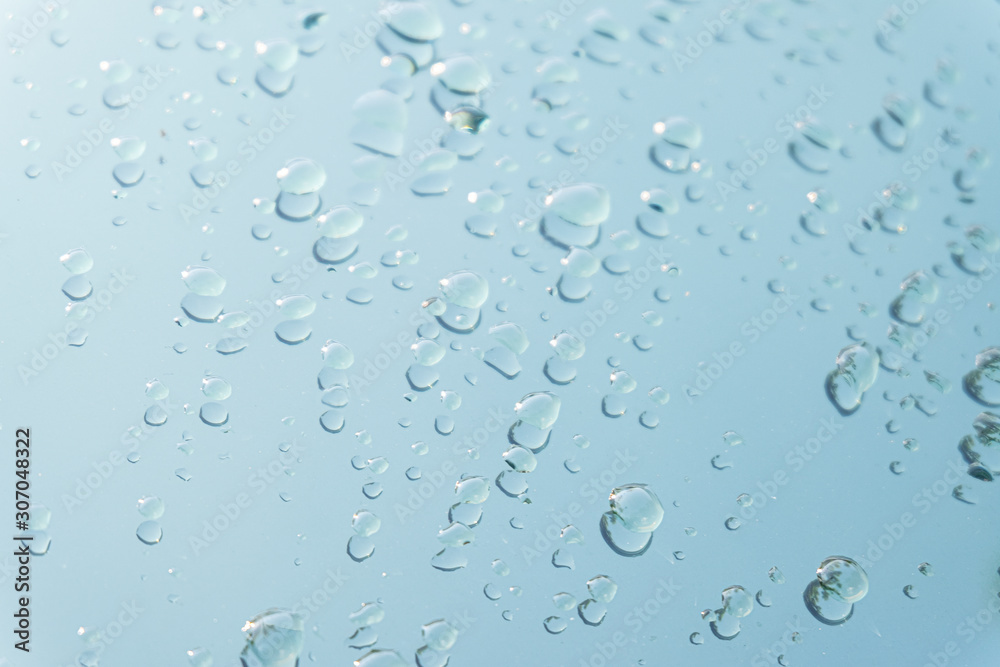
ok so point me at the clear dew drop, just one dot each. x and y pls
(638, 508)
(857, 369)
(539, 409)
(339, 222)
(203, 281)
(150, 507)
(463, 74)
(149, 532)
(216, 388)
(623, 541)
(213, 414)
(555, 625)
(77, 287)
(416, 21)
(583, 205)
(199, 657)
(275, 638)
(77, 261)
(465, 289)
(301, 176)
(155, 416)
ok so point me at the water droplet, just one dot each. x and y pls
(602, 588)
(638, 508)
(983, 383)
(77, 261)
(472, 490)
(462, 74)
(439, 635)
(151, 507)
(214, 414)
(77, 288)
(416, 21)
(623, 541)
(857, 368)
(539, 409)
(199, 657)
(274, 639)
(337, 355)
(203, 281)
(465, 289)
(149, 532)
(360, 548)
(301, 176)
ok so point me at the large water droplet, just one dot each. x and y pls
(638, 507)
(301, 176)
(274, 639)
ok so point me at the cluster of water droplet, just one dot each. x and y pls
(573, 215)
(78, 288)
(982, 450)
(471, 491)
(601, 590)
(276, 74)
(334, 384)
(918, 290)
(536, 412)
(839, 583)
(274, 639)
(975, 253)
(857, 369)
(150, 531)
(463, 294)
(439, 637)
(737, 603)
(635, 513)
(983, 383)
